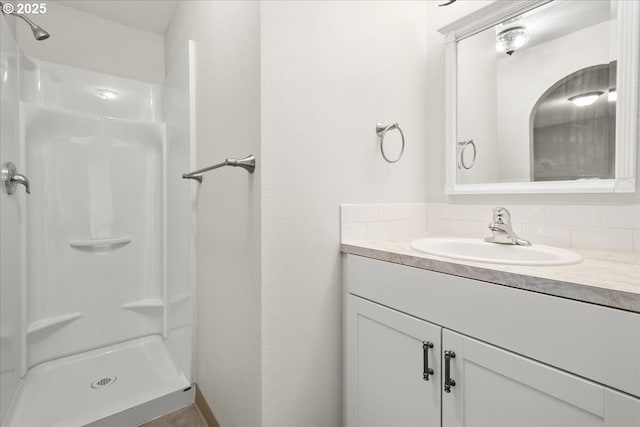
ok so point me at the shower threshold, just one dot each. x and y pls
(123, 384)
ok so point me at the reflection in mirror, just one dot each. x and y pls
(573, 127)
(548, 93)
(520, 117)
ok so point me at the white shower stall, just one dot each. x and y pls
(97, 274)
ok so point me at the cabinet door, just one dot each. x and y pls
(385, 385)
(497, 388)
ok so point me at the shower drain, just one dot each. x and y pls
(104, 381)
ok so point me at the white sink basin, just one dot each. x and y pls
(480, 251)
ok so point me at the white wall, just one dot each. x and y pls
(82, 40)
(330, 71)
(437, 17)
(228, 206)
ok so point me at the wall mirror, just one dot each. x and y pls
(542, 97)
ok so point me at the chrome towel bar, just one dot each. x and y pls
(248, 163)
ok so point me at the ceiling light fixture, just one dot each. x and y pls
(511, 39)
(585, 99)
(613, 95)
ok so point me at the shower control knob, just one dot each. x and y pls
(11, 178)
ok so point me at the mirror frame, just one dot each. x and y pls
(626, 108)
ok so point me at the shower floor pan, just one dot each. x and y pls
(123, 384)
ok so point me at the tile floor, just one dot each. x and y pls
(185, 417)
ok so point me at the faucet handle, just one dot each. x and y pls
(501, 215)
(11, 178)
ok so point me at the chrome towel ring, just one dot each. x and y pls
(382, 130)
(462, 146)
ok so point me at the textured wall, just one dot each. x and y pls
(228, 205)
(82, 40)
(330, 72)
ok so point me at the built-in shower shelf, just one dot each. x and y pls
(92, 243)
(50, 322)
(179, 298)
(100, 115)
(143, 304)
(182, 325)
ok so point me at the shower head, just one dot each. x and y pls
(37, 30)
(39, 33)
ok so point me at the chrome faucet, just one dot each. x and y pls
(502, 231)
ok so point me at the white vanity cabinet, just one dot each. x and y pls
(391, 311)
(499, 388)
(393, 367)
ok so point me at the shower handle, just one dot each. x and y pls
(11, 178)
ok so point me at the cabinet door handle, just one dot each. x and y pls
(448, 381)
(426, 370)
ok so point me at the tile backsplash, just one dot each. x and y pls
(607, 227)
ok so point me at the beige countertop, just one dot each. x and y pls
(609, 278)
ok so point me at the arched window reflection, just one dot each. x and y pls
(573, 127)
